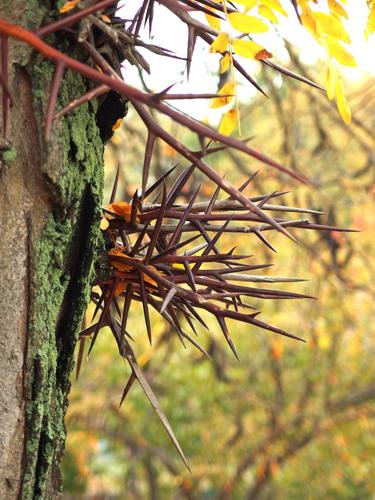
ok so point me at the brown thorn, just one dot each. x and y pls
(156, 229)
(115, 184)
(81, 352)
(59, 72)
(147, 160)
(145, 306)
(127, 388)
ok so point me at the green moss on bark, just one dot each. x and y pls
(61, 275)
(9, 156)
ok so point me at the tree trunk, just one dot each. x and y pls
(50, 197)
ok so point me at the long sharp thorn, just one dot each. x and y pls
(244, 73)
(154, 402)
(291, 74)
(81, 352)
(243, 186)
(191, 324)
(163, 93)
(264, 239)
(190, 276)
(195, 250)
(153, 186)
(176, 324)
(156, 231)
(88, 96)
(127, 388)
(151, 138)
(150, 16)
(115, 184)
(171, 293)
(271, 328)
(125, 314)
(211, 244)
(88, 331)
(173, 249)
(116, 306)
(176, 235)
(197, 7)
(196, 315)
(295, 6)
(192, 37)
(102, 318)
(169, 315)
(179, 184)
(265, 199)
(224, 328)
(195, 344)
(205, 234)
(98, 305)
(59, 72)
(212, 201)
(139, 16)
(139, 240)
(145, 306)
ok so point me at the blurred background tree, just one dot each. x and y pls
(289, 420)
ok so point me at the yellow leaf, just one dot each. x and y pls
(249, 49)
(213, 21)
(247, 24)
(371, 20)
(249, 4)
(228, 122)
(68, 6)
(225, 62)
(308, 21)
(227, 91)
(331, 25)
(104, 224)
(337, 8)
(117, 124)
(337, 51)
(342, 104)
(220, 43)
(268, 14)
(331, 81)
(275, 5)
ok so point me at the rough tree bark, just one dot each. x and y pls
(50, 196)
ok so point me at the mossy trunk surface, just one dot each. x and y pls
(50, 197)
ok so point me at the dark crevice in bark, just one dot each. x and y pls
(80, 261)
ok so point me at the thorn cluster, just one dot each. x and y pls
(152, 259)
